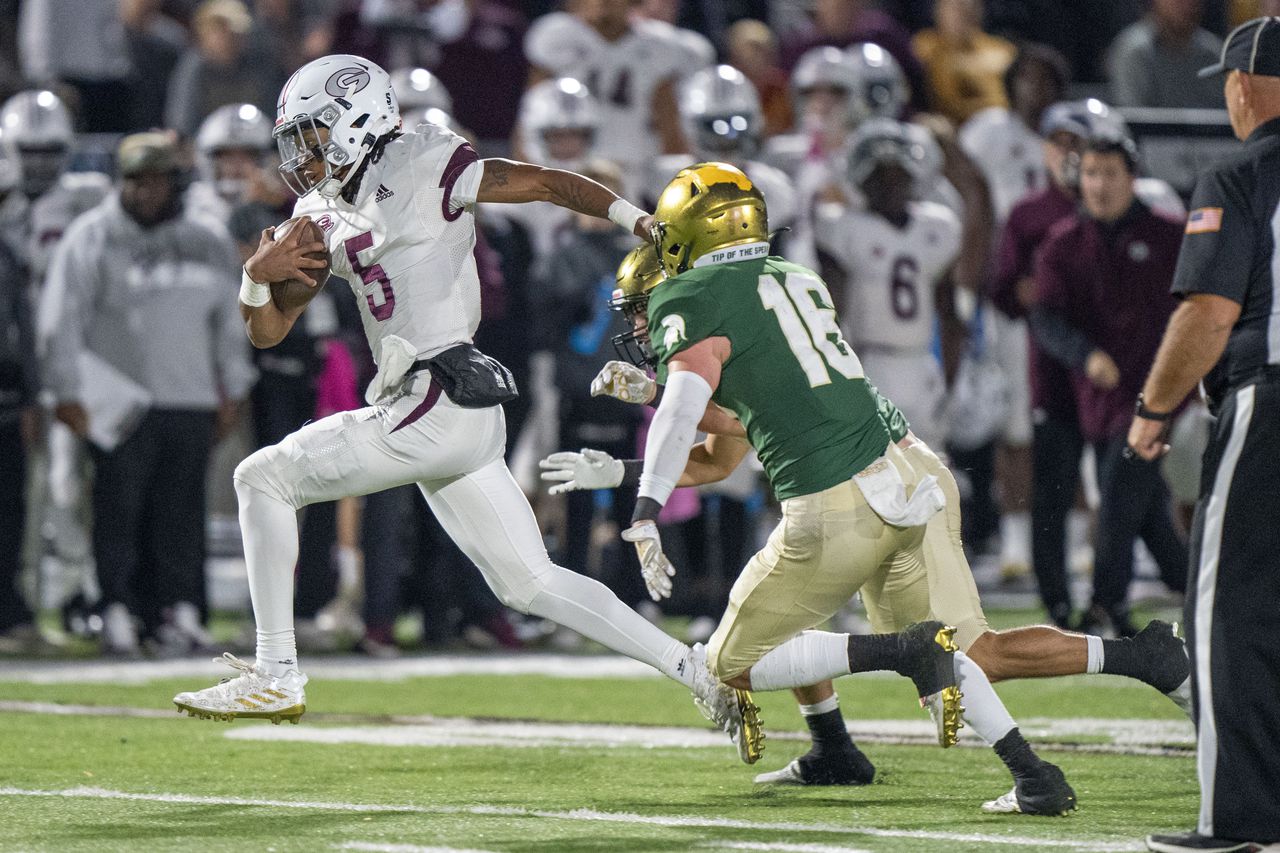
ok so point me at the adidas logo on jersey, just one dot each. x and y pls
(383, 193)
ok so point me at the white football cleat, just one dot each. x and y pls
(1004, 804)
(253, 694)
(1181, 696)
(729, 708)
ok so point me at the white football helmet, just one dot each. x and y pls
(881, 140)
(419, 89)
(882, 89)
(233, 127)
(349, 97)
(721, 113)
(825, 68)
(553, 106)
(38, 134)
(432, 115)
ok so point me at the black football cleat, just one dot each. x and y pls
(847, 768)
(1044, 792)
(928, 659)
(1165, 654)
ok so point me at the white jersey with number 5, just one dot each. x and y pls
(622, 75)
(891, 273)
(405, 245)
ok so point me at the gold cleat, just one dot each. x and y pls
(292, 714)
(751, 737)
(944, 706)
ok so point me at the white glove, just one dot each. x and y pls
(626, 382)
(590, 469)
(654, 565)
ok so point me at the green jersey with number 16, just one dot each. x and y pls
(791, 379)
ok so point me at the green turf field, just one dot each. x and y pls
(500, 763)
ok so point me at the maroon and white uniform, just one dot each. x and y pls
(889, 315)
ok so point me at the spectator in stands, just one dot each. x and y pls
(481, 68)
(293, 31)
(841, 23)
(1101, 303)
(964, 66)
(220, 69)
(753, 50)
(139, 298)
(81, 43)
(1154, 62)
(156, 43)
(19, 429)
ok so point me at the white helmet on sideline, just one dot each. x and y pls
(233, 127)
(882, 90)
(351, 98)
(38, 134)
(419, 89)
(563, 106)
(721, 113)
(883, 140)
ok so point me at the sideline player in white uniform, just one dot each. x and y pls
(233, 149)
(37, 134)
(631, 69)
(888, 267)
(396, 212)
(721, 116)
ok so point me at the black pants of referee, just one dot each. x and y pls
(1233, 619)
(149, 513)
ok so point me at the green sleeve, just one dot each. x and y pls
(894, 420)
(681, 317)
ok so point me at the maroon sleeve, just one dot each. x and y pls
(1012, 264)
(1053, 268)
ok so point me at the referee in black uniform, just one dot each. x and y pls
(1226, 332)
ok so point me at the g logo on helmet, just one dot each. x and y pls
(347, 81)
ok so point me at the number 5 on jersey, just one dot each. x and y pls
(815, 341)
(354, 246)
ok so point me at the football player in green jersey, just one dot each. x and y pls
(1156, 658)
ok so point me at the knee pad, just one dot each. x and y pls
(262, 470)
(520, 589)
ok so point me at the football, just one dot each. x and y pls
(293, 295)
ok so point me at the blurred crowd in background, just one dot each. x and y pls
(993, 146)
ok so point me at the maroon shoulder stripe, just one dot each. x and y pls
(463, 156)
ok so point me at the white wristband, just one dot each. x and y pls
(252, 293)
(626, 214)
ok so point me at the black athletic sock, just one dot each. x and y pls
(1017, 754)
(871, 652)
(830, 737)
(834, 759)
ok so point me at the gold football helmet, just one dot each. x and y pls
(638, 274)
(706, 207)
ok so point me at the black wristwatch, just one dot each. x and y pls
(1143, 412)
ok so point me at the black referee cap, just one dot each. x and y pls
(1253, 47)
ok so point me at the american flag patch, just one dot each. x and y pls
(1204, 220)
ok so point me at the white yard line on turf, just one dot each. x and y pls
(586, 816)
(402, 848)
(782, 847)
(1128, 737)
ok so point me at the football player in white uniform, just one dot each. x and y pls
(233, 149)
(630, 69)
(37, 134)
(888, 266)
(395, 209)
(721, 116)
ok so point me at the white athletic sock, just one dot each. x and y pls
(269, 528)
(1096, 654)
(826, 706)
(347, 560)
(984, 712)
(812, 657)
(1015, 538)
(590, 608)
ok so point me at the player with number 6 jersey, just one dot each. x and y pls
(395, 209)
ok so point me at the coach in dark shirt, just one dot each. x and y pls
(1227, 332)
(1102, 297)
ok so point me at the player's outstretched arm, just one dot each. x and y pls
(508, 181)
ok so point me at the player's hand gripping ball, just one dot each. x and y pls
(293, 294)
